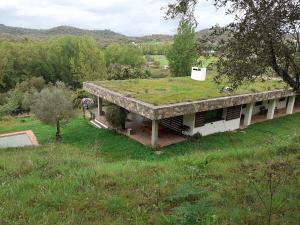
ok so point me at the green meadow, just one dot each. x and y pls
(99, 177)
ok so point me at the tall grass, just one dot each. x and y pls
(90, 178)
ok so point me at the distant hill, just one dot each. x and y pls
(102, 36)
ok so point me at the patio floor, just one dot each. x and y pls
(262, 118)
(141, 131)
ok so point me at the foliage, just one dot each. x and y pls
(183, 89)
(72, 60)
(160, 48)
(183, 52)
(36, 83)
(116, 116)
(264, 35)
(77, 97)
(129, 55)
(52, 106)
(125, 72)
(205, 62)
(68, 59)
(15, 100)
(13, 104)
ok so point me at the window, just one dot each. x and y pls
(259, 103)
(213, 116)
(244, 106)
(233, 113)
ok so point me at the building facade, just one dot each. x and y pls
(204, 117)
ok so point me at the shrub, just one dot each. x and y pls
(124, 72)
(116, 116)
(37, 83)
(77, 97)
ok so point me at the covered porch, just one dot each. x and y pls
(145, 131)
(270, 112)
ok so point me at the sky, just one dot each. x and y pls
(129, 17)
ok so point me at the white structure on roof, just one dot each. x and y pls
(198, 73)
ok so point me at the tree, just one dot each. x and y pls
(265, 36)
(128, 55)
(52, 106)
(124, 72)
(183, 52)
(71, 60)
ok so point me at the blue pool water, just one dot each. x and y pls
(19, 140)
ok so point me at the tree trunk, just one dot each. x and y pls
(58, 136)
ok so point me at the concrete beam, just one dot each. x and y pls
(100, 106)
(290, 105)
(154, 135)
(248, 114)
(271, 109)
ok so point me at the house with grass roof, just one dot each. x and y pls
(169, 110)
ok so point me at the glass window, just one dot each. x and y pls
(213, 116)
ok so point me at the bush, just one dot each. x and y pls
(77, 97)
(37, 83)
(116, 116)
(121, 72)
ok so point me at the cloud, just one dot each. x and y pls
(130, 17)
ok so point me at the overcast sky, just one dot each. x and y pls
(130, 17)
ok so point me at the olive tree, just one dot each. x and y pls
(52, 106)
(264, 36)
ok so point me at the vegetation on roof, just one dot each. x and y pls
(183, 89)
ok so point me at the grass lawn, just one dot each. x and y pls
(207, 61)
(162, 59)
(182, 89)
(99, 177)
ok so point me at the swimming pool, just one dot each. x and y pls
(18, 139)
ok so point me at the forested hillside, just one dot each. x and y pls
(102, 36)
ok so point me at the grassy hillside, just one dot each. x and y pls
(99, 177)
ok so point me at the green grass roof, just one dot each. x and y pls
(182, 89)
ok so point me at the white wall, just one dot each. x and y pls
(223, 125)
(217, 127)
(210, 128)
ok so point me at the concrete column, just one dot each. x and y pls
(271, 109)
(100, 111)
(154, 136)
(290, 105)
(248, 114)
